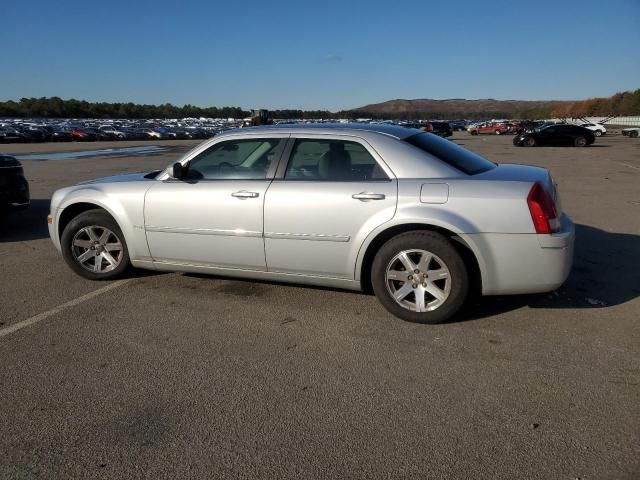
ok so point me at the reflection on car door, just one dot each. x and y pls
(331, 195)
(215, 216)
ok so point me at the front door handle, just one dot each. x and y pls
(242, 194)
(364, 196)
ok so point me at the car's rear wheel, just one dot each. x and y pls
(94, 247)
(580, 142)
(530, 142)
(420, 277)
(633, 134)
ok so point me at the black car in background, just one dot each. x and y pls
(556, 136)
(442, 129)
(10, 135)
(14, 188)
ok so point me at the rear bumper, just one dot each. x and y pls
(15, 196)
(525, 263)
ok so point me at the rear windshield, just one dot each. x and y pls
(450, 153)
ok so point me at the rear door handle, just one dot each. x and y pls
(364, 196)
(242, 194)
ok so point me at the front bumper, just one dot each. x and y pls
(525, 263)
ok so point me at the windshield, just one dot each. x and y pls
(450, 153)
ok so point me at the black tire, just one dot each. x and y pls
(579, 142)
(99, 218)
(633, 134)
(441, 247)
(473, 132)
(530, 142)
(597, 133)
(516, 141)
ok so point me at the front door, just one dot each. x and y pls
(331, 195)
(214, 216)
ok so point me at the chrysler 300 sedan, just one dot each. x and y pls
(414, 217)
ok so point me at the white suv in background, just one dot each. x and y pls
(597, 128)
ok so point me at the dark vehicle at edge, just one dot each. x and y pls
(556, 136)
(14, 188)
(442, 129)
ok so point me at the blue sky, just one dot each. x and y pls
(321, 54)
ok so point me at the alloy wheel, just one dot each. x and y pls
(418, 280)
(97, 249)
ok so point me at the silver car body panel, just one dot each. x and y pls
(317, 232)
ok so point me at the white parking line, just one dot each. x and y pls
(630, 166)
(71, 303)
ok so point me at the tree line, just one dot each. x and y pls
(620, 104)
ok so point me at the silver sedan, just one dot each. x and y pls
(418, 219)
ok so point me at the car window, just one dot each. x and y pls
(332, 161)
(450, 153)
(236, 160)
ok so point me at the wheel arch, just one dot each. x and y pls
(72, 210)
(462, 245)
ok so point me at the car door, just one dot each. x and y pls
(329, 195)
(548, 136)
(214, 216)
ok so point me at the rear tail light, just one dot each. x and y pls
(543, 210)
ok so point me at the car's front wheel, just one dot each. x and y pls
(94, 247)
(420, 277)
(580, 142)
(597, 133)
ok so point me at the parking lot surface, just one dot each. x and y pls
(186, 376)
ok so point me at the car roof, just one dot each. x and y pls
(395, 131)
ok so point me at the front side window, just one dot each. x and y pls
(236, 160)
(332, 161)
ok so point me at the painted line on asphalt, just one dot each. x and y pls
(630, 166)
(71, 303)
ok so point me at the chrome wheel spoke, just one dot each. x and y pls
(439, 294)
(107, 256)
(420, 302)
(92, 234)
(78, 242)
(397, 275)
(113, 247)
(439, 274)
(97, 266)
(86, 256)
(403, 291)
(406, 262)
(105, 236)
(425, 261)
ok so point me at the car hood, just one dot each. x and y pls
(126, 177)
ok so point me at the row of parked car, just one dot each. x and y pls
(87, 131)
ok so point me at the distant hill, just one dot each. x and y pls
(459, 108)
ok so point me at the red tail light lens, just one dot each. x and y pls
(543, 210)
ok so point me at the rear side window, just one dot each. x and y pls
(332, 161)
(450, 153)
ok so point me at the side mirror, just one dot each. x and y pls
(179, 171)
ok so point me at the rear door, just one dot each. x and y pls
(325, 199)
